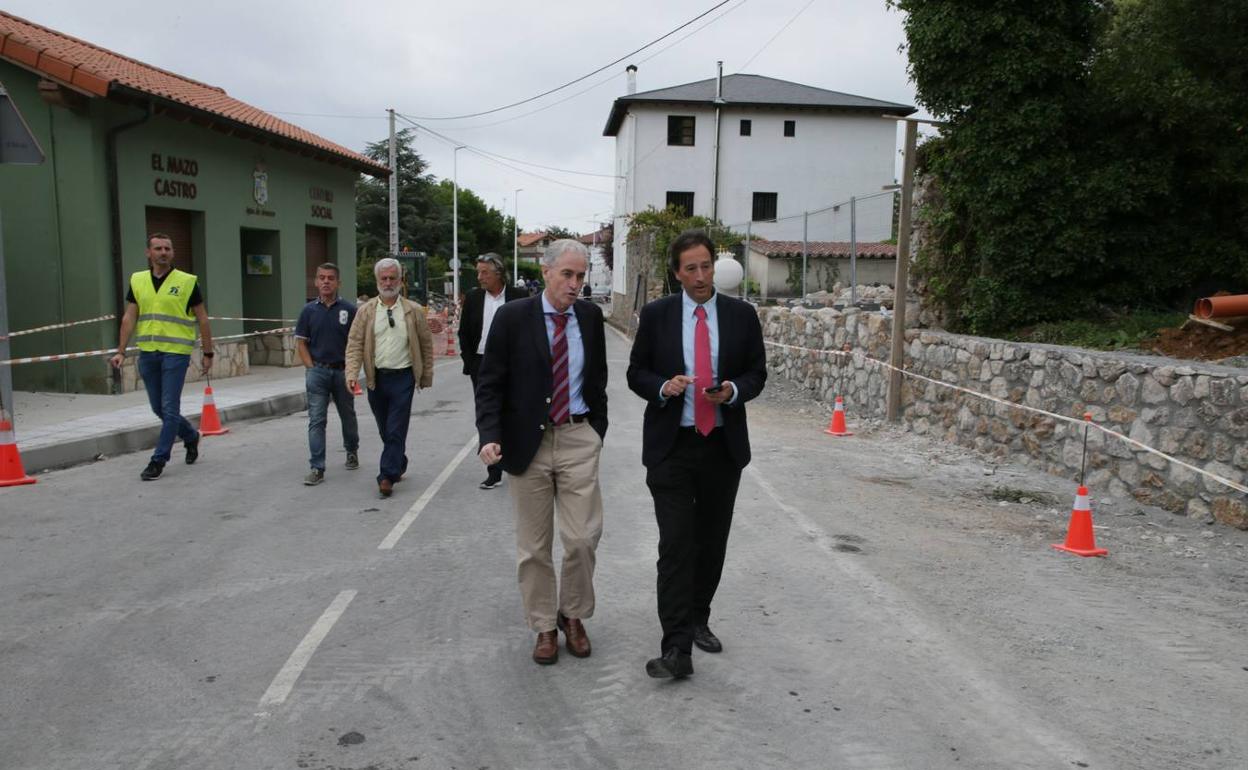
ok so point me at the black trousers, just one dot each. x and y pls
(495, 471)
(694, 490)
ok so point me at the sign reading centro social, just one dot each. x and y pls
(171, 187)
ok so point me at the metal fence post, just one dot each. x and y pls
(853, 250)
(805, 232)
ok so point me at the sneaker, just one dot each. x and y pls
(490, 483)
(192, 451)
(152, 471)
(353, 461)
(314, 477)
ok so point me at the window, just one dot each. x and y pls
(681, 200)
(745, 128)
(680, 130)
(764, 207)
(790, 128)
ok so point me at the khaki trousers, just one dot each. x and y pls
(562, 476)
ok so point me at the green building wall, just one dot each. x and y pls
(58, 238)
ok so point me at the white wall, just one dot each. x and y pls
(832, 157)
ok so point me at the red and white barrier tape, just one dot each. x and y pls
(50, 327)
(1074, 421)
(111, 351)
(231, 318)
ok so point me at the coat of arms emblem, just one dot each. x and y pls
(260, 188)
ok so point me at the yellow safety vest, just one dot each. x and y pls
(165, 322)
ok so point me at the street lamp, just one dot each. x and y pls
(455, 226)
(515, 244)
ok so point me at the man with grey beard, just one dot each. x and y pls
(391, 339)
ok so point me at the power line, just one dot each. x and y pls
(603, 82)
(582, 77)
(788, 24)
(543, 108)
(490, 158)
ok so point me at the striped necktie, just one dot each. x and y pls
(561, 398)
(703, 410)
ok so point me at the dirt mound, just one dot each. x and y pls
(1205, 343)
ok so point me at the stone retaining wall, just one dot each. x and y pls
(231, 360)
(1194, 411)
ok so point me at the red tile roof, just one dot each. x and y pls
(605, 235)
(531, 239)
(867, 250)
(96, 71)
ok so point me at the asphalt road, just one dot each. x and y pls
(878, 611)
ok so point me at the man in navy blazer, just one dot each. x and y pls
(697, 359)
(542, 415)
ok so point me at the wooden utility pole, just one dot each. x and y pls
(897, 358)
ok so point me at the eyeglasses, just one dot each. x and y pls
(390, 316)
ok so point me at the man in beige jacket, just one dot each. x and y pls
(390, 338)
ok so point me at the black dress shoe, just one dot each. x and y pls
(673, 665)
(706, 640)
(192, 451)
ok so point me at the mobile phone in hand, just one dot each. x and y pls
(715, 388)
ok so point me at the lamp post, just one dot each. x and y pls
(455, 226)
(515, 243)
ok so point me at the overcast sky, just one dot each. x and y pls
(434, 59)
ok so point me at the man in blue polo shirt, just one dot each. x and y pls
(321, 339)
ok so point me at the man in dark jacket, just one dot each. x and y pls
(697, 359)
(475, 320)
(542, 415)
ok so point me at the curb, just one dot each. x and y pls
(88, 448)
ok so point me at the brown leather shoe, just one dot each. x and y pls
(385, 487)
(546, 651)
(574, 632)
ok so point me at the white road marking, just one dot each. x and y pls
(420, 504)
(285, 680)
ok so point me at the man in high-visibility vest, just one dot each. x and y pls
(164, 306)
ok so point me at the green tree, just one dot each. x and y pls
(1094, 153)
(670, 222)
(425, 216)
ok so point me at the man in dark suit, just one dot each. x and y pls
(542, 415)
(697, 359)
(474, 326)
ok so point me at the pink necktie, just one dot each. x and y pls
(703, 410)
(559, 401)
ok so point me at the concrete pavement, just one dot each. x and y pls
(57, 430)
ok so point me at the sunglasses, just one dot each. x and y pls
(390, 316)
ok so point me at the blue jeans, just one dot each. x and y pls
(391, 402)
(163, 375)
(325, 385)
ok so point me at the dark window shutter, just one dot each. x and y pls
(764, 206)
(681, 200)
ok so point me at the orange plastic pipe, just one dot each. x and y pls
(1222, 307)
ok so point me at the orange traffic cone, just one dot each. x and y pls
(11, 472)
(209, 422)
(836, 427)
(450, 342)
(1080, 539)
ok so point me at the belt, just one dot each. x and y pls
(573, 418)
(323, 365)
(393, 371)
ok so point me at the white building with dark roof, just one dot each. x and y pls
(762, 149)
